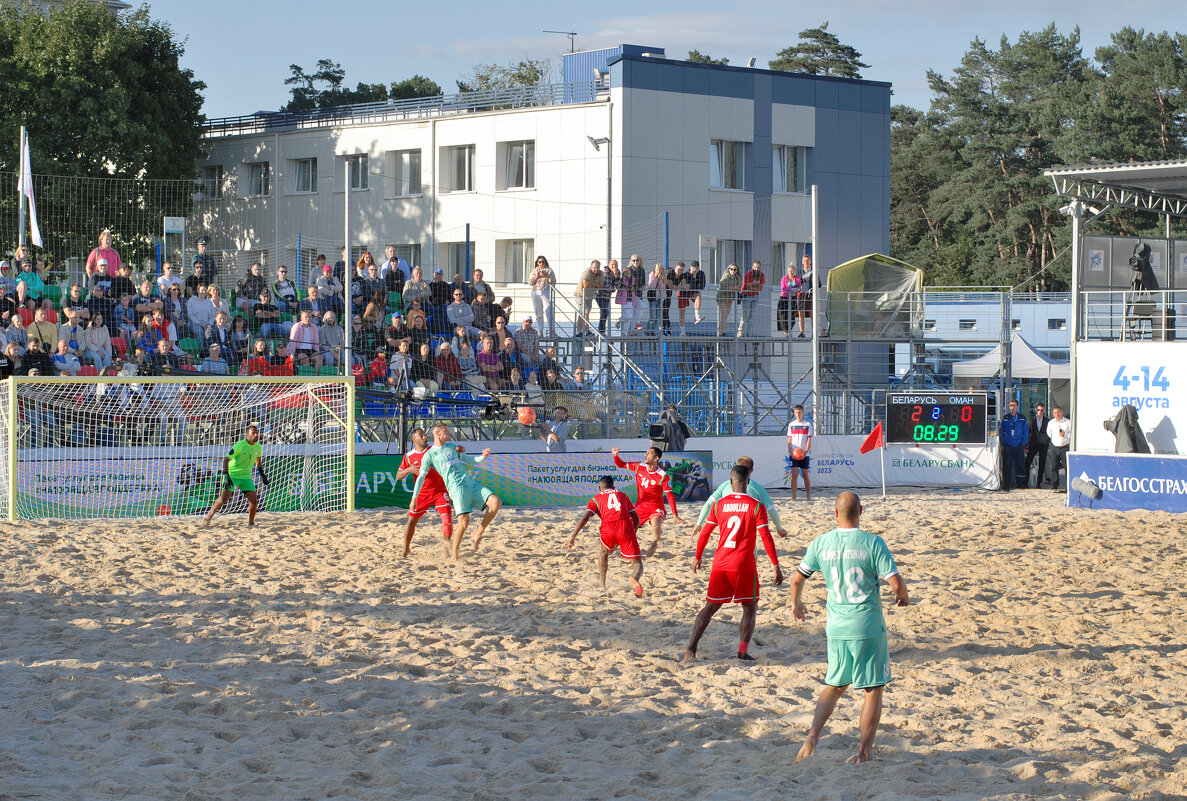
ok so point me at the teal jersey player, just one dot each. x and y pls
(852, 561)
(754, 490)
(465, 493)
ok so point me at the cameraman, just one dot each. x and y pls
(669, 432)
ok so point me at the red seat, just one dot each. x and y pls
(121, 346)
(88, 370)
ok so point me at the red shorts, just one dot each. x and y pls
(647, 511)
(426, 501)
(739, 586)
(682, 302)
(623, 538)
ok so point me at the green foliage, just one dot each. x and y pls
(697, 57)
(969, 201)
(414, 87)
(487, 77)
(101, 94)
(323, 88)
(819, 52)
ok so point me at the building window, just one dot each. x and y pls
(356, 170)
(305, 175)
(725, 252)
(405, 170)
(301, 267)
(1015, 325)
(259, 180)
(929, 325)
(515, 260)
(518, 160)
(783, 254)
(1056, 324)
(727, 165)
(409, 253)
(457, 168)
(967, 325)
(787, 168)
(455, 258)
(210, 186)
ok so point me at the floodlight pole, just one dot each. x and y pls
(1077, 210)
(817, 403)
(348, 312)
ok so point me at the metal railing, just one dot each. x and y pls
(541, 95)
(1130, 316)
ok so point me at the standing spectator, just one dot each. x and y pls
(587, 289)
(803, 298)
(678, 284)
(611, 283)
(448, 369)
(395, 278)
(249, 287)
(632, 296)
(370, 282)
(1014, 437)
(333, 339)
(490, 365)
(392, 262)
(542, 280)
(195, 279)
(199, 310)
(555, 432)
(748, 297)
(1038, 444)
(416, 289)
(478, 286)
(727, 294)
(657, 297)
(440, 295)
(528, 341)
(304, 341)
(285, 292)
(1059, 431)
(696, 285)
(209, 268)
(789, 287)
(168, 278)
(103, 260)
(460, 314)
(64, 361)
(96, 343)
(214, 363)
(267, 318)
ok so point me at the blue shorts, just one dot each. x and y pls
(802, 464)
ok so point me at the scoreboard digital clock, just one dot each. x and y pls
(936, 418)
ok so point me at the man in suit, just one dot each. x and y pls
(1038, 443)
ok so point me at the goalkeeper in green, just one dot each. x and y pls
(236, 471)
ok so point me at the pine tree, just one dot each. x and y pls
(819, 52)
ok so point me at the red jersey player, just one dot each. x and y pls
(431, 495)
(619, 521)
(653, 486)
(734, 576)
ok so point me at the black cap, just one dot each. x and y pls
(203, 240)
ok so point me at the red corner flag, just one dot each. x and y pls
(874, 440)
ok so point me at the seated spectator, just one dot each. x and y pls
(17, 335)
(241, 338)
(416, 289)
(499, 333)
(548, 361)
(147, 335)
(424, 373)
(65, 362)
(196, 279)
(168, 278)
(399, 373)
(414, 312)
(440, 296)
(7, 279)
(371, 283)
(314, 303)
(285, 292)
(122, 283)
(329, 290)
(489, 365)
(33, 286)
(333, 339)
(145, 301)
(461, 336)
(96, 344)
(552, 382)
(395, 332)
(305, 341)
(249, 287)
(16, 364)
(51, 314)
(217, 301)
(42, 329)
(459, 284)
(527, 339)
(533, 390)
(101, 302)
(478, 286)
(510, 358)
(176, 310)
(471, 375)
(374, 313)
(260, 362)
(378, 370)
(418, 333)
(200, 311)
(515, 380)
(448, 369)
(71, 332)
(481, 308)
(214, 363)
(393, 278)
(460, 314)
(267, 317)
(8, 307)
(163, 358)
(220, 332)
(166, 329)
(37, 357)
(75, 301)
(578, 382)
(503, 309)
(364, 341)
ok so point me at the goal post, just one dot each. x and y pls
(138, 446)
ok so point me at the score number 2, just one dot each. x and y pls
(1159, 381)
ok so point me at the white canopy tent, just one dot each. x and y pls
(1025, 362)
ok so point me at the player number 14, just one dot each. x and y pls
(1123, 380)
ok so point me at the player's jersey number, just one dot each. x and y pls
(732, 526)
(851, 590)
(612, 503)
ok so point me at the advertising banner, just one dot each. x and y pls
(536, 479)
(1151, 376)
(144, 486)
(837, 463)
(1131, 481)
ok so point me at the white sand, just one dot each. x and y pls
(1045, 658)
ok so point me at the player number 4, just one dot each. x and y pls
(612, 503)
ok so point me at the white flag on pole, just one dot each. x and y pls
(25, 187)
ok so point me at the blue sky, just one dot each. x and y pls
(243, 49)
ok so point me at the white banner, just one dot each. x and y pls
(1152, 376)
(838, 463)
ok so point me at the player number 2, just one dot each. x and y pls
(732, 527)
(851, 590)
(612, 503)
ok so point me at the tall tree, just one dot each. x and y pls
(819, 52)
(697, 57)
(414, 87)
(525, 72)
(323, 88)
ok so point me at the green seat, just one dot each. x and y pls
(54, 293)
(305, 369)
(285, 317)
(190, 345)
(327, 370)
(395, 301)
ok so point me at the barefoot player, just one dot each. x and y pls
(734, 575)
(652, 486)
(852, 561)
(466, 494)
(432, 496)
(619, 522)
(236, 469)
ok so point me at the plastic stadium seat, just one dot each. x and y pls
(327, 370)
(190, 345)
(88, 370)
(54, 293)
(121, 346)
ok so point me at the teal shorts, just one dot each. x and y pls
(244, 483)
(468, 496)
(861, 663)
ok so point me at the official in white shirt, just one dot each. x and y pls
(1059, 429)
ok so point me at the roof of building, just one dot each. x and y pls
(1165, 177)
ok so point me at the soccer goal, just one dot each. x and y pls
(140, 447)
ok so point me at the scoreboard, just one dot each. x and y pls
(936, 418)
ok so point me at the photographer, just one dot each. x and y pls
(669, 432)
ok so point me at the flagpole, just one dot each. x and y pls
(882, 459)
(21, 196)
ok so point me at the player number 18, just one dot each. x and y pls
(851, 590)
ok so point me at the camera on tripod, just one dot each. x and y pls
(1139, 262)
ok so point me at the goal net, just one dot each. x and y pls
(140, 447)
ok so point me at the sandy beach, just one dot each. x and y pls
(1045, 657)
